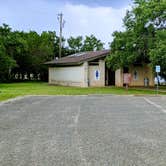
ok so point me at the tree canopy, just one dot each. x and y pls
(144, 38)
(24, 53)
(75, 44)
(90, 43)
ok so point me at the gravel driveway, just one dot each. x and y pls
(101, 130)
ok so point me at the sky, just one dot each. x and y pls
(82, 17)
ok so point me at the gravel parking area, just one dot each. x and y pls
(95, 130)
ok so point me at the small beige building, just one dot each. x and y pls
(89, 69)
(141, 75)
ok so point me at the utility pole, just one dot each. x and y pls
(61, 26)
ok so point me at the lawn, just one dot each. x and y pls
(35, 88)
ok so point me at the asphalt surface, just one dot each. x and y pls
(83, 131)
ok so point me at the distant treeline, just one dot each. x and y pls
(22, 54)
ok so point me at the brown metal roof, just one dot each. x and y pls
(79, 58)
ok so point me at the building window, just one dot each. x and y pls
(135, 75)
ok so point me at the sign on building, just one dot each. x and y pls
(97, 75)
(126, 78)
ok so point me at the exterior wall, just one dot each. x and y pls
(143, 72)
(67, 76)
(102, 72)
(101, 69)
(119, 78)
(85, 74)
(82, 76)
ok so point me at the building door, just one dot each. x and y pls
(110, 77)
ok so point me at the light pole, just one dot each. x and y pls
(61, 23)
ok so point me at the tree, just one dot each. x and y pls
(158, 53)
(91, 43)
(141, 37)
(122, 50)
(40, 50)
(75, 44)
(24, 53)
(6, 60)
(46, 53)
(6, 64)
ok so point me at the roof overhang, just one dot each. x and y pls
(78, 60)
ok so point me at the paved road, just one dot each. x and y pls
(83, 131)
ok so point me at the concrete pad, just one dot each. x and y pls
(95, 130)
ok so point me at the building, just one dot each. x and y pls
(141, 75)
(89, 69)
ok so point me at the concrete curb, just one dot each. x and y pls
(12, 100)
(95, 95)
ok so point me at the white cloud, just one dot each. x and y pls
(82, 20)
(100, 21)
(25, 15)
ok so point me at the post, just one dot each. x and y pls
(127, 88)
(157, 90)
(61, 24)
(157, 71)
(86, 74)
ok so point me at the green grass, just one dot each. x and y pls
(162, 87)
(19, 89)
